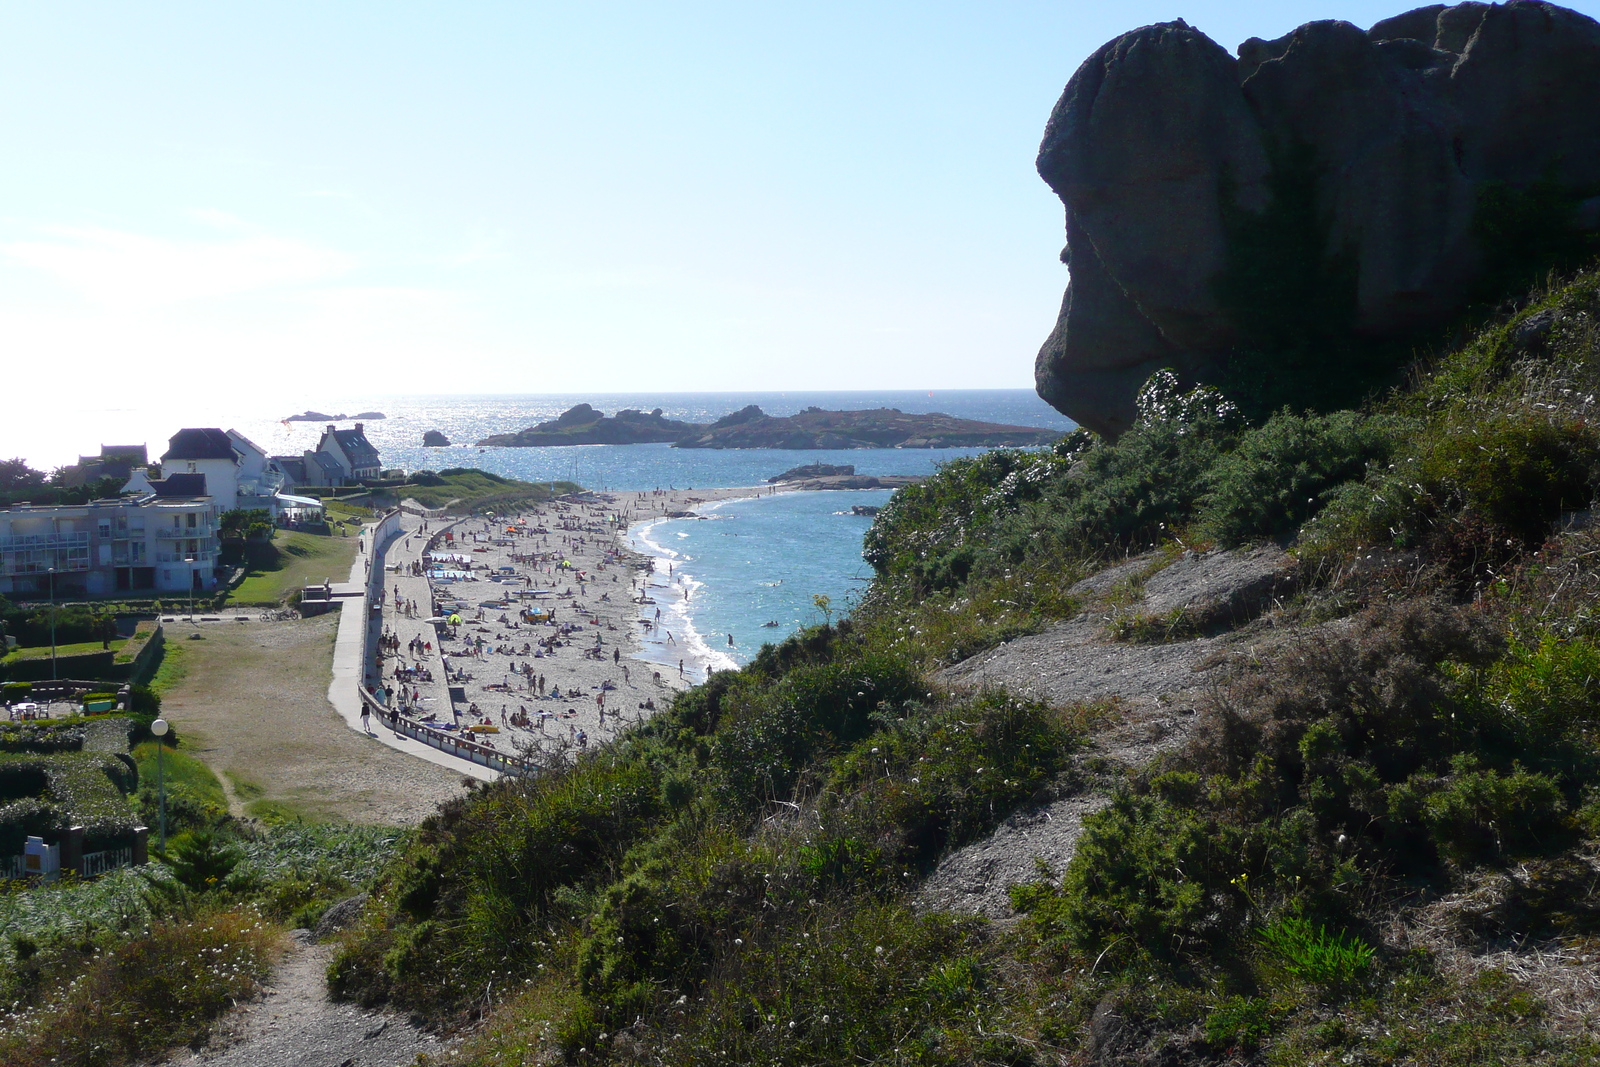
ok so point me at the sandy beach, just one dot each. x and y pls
(566, 635)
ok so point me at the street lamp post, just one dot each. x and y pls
(52, 624)
(159, 729)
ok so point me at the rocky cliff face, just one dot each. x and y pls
(1226, 213)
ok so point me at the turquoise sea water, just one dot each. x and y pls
(751, 562)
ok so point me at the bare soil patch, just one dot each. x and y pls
(253, 705)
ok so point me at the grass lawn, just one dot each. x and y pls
(292, 560)
(78, 649)
(338, 509)
(181, 771)
(174, 665)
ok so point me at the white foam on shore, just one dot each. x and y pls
(672, 595)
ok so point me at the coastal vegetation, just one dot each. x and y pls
(1338, 863)
(468, 490)
(1377, 844)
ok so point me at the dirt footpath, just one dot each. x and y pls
(294, 1024)
(253, 705)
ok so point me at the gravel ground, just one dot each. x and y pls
(294, 1024)
(254, 706)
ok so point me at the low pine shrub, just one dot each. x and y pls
(1283, 473)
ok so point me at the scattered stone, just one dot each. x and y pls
(340, 916)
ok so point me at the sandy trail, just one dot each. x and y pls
(294, 1024)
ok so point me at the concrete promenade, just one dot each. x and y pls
(350, 669)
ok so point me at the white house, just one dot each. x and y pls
(356, 457)
(260, 477)
(238, 472)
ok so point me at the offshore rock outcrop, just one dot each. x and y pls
(1332, 182)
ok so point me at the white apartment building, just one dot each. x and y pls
(165, 541)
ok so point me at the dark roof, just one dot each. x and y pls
(293, 466)
(180, 485)
(207, 443)
(357, 448)
(136, 455)
(328, 464)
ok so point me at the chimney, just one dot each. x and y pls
(358, 427)
(330, 427)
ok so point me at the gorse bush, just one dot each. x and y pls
(1284, 473)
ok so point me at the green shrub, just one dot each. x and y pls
(1239, 1022)
(933, 778)
(1477, 815)
(1283, 473)
(767, 734)
(565, 830)
(145, 996)
(202, 860)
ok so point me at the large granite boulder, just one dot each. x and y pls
(1165, 148)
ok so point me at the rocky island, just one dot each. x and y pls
(318, 416)
(751, 427)
(583, 425)
(815, 428)
(435, 439)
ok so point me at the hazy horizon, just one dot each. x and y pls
(305, 199)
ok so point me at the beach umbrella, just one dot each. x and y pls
(455, 620)
(436, 618)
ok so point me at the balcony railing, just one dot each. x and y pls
(184, 557)
(30, 565)
(22, 542)
(185, 533)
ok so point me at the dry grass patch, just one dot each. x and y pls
(252, 703)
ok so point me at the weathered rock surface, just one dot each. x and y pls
(1163, 142)
(1154, 693)
(1220, 588)
(339, 916)
(435, 439)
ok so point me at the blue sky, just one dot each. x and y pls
(315, 198)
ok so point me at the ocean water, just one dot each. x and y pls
(750, 562)
(749, 571)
